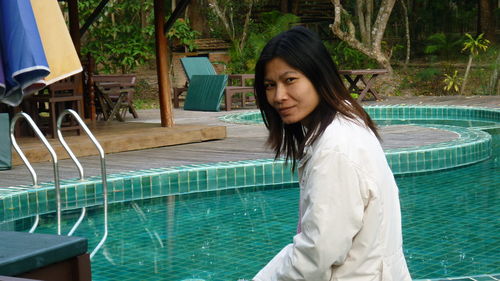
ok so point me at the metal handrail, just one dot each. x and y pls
(30, 168)
(80, 169)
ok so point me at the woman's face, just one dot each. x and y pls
(290, 92)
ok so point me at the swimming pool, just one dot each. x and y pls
(230, 234)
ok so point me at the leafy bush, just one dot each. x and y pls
(270, 25)
(181, 31)
(428, 74)
(348, 58)
(114, 43)
(443, 45)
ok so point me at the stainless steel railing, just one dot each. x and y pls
(30, 168)
(80, 170)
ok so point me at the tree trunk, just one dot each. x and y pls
(407, 31)
(374, 48)
(284, 6)
(295, 7)
(197, 17)
(227, 21)
(494, 79)
(486, 21)
(464, 82)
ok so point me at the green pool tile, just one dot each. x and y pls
(136, 188)
(211, 178)
(128, 188)
(221, 178)
(174, 183)
(165, 183)
(404, 162)
(118, 191)
(259, 174)
(156, 186)
(268, 173)
(146, 186)
(202, 180)
(193, 181)
(277, 172)
(90, 193)
(240, 176)
(71, 197)
(231, 176)
(250, 175)
(32, 203)
(51, 199)
(183, 181)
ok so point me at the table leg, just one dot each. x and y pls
(352, 83)
(116, 108)
(104, 107)
(368, 88)
(228, 99)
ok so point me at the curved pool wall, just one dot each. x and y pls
(472, 145)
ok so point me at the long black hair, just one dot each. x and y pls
(303, 50)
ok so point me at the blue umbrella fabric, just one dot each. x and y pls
(22, 54)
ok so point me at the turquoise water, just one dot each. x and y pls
(450, 225)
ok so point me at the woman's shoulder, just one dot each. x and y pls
(348, 136)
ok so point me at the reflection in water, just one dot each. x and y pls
(450, 225)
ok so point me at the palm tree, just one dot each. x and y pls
(474, 46)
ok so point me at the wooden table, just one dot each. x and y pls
(110, 108)
(367, 77)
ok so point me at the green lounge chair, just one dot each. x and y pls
(205, 92)
(205, 88)
(5, 148)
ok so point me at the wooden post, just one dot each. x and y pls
(74, 30)
(162, 65)
(74, 26)
(90, 87)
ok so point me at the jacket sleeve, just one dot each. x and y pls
(333, 215)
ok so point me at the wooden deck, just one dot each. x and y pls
(118, 137)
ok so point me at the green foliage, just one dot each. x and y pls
(348, 58)
(475, 45)
(117, 40)
(452, 83)
(181, 31)
(428, 74)
(443, 45)
(270, 25)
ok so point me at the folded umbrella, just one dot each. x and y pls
(2, 77)
(23, 58)
(57, 43)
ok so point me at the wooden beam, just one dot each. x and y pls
(162, 65)
(74, 25)
(92, 18)
(179, 9)
(74, 31)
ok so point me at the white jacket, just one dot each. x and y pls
(350, 216)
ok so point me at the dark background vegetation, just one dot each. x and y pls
(122, 39)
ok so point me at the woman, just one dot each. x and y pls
(350, 221)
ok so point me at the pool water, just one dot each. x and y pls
(450, 225)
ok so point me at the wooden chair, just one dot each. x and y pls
(46, 105)
(114, 94)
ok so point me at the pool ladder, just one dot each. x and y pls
(56, 169)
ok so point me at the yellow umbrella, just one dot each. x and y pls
(59, 49)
